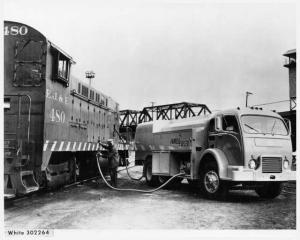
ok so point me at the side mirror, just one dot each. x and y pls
(288, 125)
(218, 122)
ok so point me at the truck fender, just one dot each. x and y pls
(220, 158)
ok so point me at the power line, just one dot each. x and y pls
(270, 103)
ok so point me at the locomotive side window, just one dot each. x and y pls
(61, 66)
(97, 98)
(91, 94)
(84, 91)
(102, 101)
(79, 88)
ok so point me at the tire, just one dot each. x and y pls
(269, 190)
(211, 186)
(151, 180)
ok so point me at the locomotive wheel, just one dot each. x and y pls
(73, 170)
(151, 180)
(41, 178)
(269, 190)
(211, 185)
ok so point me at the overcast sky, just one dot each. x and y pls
(171, 51)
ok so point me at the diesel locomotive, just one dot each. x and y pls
(52, 120)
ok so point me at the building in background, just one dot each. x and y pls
(290, 63)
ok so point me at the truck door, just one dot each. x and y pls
(212, 133)
(228, 139)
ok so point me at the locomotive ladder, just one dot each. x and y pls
(17, 179)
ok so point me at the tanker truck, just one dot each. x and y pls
(233, 149)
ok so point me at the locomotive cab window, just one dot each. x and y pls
(61, 66)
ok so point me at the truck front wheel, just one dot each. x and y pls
(211, 185)
(269, 190)
(151, 180)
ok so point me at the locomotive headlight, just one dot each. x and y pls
(285, 164)
(252, 164)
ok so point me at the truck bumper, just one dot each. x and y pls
(239, 174)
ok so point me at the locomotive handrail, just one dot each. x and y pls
(35, 61)
(29, 110)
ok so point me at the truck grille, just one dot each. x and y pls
(271, 164)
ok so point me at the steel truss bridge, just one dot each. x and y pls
(129, 119)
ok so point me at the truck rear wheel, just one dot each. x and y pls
(151, 180)
(211, 185)
(269, 190)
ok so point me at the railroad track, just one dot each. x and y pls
(10, 201)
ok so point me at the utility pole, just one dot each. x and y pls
(152, 105)
(89, 75)
(247, 94)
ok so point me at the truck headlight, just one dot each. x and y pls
(285, 164)
(252, 164)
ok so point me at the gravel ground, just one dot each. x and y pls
(94, 206)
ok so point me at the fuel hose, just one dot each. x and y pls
(128, 174)
(131, 189)
(132, 178)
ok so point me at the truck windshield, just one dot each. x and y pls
(263, 125)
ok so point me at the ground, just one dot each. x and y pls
(93, 205)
